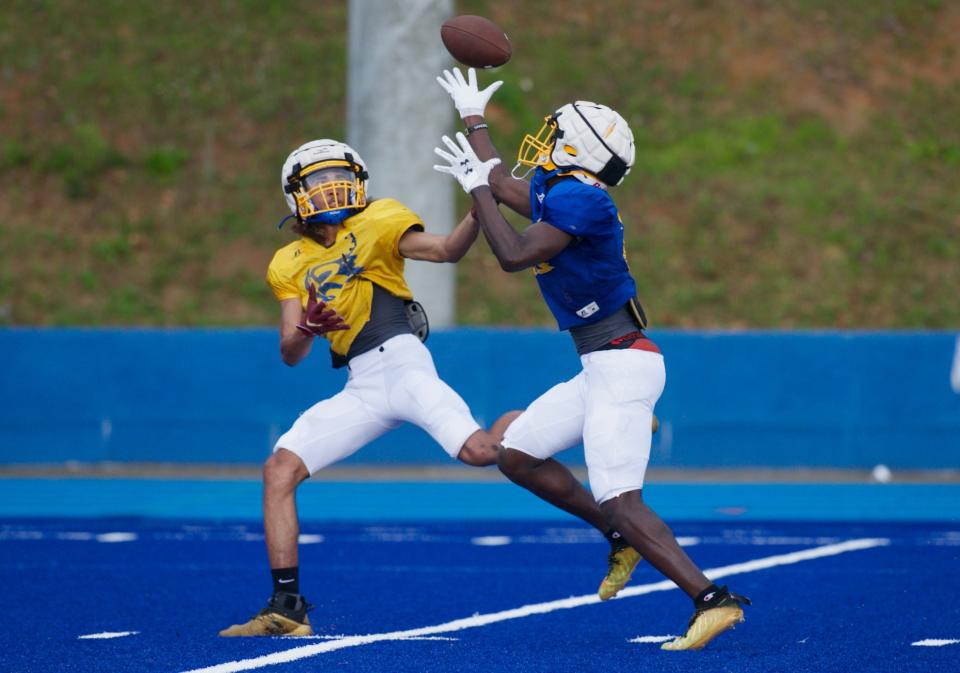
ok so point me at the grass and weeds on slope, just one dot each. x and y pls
(797, 162)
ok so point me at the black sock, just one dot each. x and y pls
(707, 596)
(613, 536)
(286, 580)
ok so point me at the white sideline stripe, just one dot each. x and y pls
(107, 634)
(935, 642)
(305, 651)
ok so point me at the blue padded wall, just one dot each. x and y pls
(778, 399)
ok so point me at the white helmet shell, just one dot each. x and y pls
(314, 152)
(594, 138)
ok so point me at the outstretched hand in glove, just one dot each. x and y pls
(465, 165)
(318, 318)
(467, 96)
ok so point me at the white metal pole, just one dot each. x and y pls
(396, 114)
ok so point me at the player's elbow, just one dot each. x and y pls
(512, 265)
(291, 356)
(448, 256)
(440, 252)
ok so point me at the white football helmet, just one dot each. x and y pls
(582, 136)
(324, 181)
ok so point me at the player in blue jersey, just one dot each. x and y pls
(575, 247)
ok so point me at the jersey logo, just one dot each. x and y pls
(542, 268)
(588, 310)
(330, 276)
(348, 260)
(319, 279)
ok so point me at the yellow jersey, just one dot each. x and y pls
(366, 251)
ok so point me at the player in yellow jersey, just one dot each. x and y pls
(343, 280)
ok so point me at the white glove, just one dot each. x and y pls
(467, 98)
(465, 165)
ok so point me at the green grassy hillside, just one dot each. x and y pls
(798, 162)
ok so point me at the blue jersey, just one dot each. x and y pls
(589, 280)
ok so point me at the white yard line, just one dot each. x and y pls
(116, 537)
(302, 638)
(107, 634)
(652, 639)
(763, 563)
(305, 651)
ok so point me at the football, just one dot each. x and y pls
(475, 41)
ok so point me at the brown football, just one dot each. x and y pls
(475, 41)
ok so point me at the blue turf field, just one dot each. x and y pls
(464, 594)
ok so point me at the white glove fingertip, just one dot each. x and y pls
(452, 145)
(446, 156)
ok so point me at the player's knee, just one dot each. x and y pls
(283, 471)
(614, 512)
(479, 450)
(514, 464)
(627, 510)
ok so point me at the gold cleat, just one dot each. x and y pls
(709, 622)
(620, 564)
(285, 615)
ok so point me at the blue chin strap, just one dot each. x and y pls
(329, 217)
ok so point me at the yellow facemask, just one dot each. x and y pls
(535, 149)
(328, 186)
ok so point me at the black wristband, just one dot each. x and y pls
(477, 127)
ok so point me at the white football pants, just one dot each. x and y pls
(394, 383)
(609, 406)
